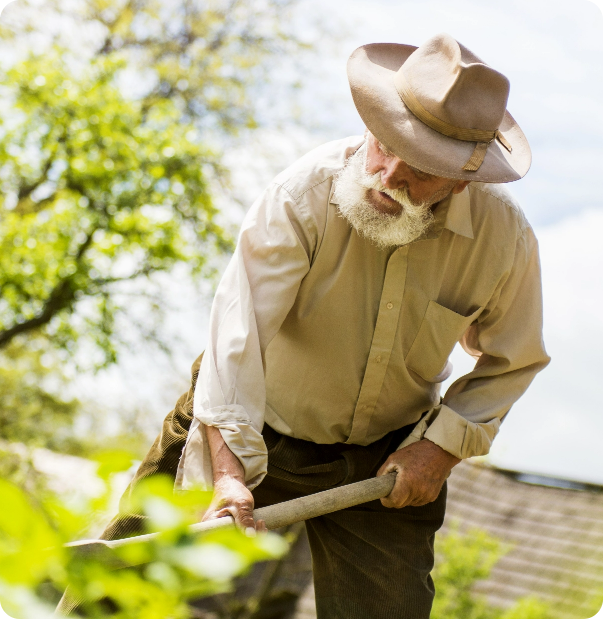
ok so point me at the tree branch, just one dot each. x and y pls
(26, 190)
(61, 297)
(99, 282)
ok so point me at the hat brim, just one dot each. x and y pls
(370, 72)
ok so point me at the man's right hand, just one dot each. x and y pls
(231, 495)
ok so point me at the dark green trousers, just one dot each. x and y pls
(369, 561)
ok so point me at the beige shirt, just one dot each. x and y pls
(325, 337)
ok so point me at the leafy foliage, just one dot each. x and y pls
(221, 60)
(173, 568)
(33, 407)
(109, 156)
(97, 192)
(461, 561)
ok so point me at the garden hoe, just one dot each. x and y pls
(275, 516)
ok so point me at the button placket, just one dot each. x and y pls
(382, 344)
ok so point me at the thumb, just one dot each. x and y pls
(389, 467)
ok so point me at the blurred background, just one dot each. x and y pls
(135, 134)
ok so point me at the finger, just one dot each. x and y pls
(424, 499)
(428, 493)
(382, 469)
(210, 514)
(261, 527)
(401, 490)
(243, 517)
(388, 467)
(399, 497)
(203, 516)
(419, 495)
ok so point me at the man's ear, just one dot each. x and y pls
(460, 186)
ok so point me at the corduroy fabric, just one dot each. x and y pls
(368, 561)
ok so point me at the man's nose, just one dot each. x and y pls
(394, 174)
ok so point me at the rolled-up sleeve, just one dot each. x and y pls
(253, 298)
(506, 340)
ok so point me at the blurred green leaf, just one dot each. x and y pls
(111, 462)
(173, 567)
(30, 549)
(528, 608)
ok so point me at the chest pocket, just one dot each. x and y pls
(440, 330)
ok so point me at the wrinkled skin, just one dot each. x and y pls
(422, 469)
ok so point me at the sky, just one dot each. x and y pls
(552, 52)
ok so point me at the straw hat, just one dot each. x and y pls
(439, 108)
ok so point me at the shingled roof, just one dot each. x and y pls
(555, 528)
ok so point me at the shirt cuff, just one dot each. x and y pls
(453, 433)
(245, 442)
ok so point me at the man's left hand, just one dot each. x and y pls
(422, 468)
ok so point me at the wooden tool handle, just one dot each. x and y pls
(280, 514)
(321, 503)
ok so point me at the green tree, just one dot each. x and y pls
(110, 156)
(97, 191)
(220, 59)
(36, 410)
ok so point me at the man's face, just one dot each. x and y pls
(394, 173)
(384, 199)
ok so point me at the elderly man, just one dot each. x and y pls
(356, 273)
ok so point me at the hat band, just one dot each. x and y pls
(483, 137)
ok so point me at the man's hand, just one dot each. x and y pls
(422, 468)
(231, 495)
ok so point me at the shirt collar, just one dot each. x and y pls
(453, 213)
(458, 219)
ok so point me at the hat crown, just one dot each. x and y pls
(456, 86)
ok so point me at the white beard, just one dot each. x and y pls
(384, 230)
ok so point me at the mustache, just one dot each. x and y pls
(353, 185)
(373, 181)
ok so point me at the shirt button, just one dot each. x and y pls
(390, 305)
(378, 358)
